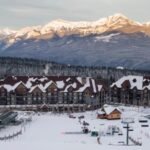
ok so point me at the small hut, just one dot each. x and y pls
(109, 112)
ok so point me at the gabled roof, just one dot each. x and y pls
(49, 83)
(63, 83)
(37, 86)
(12, 87)
(108, 109)
(86, 85)
(133, 81)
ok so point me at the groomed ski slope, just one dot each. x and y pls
(47, 132)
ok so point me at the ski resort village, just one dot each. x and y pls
(71, 112)
(74, 75)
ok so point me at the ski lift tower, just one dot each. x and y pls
(127, 122)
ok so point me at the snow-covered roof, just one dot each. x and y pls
(43, 79)
(94, 85)
(74, 85)
(108, 109)
(12, 87)
(86, 85)
(99, 87)
(8, 87)
(62, 83)
(100, 112)
(79, 79)
(28, 84)
(37, 86)
(135, 81)
(48, 84)
(68, 79)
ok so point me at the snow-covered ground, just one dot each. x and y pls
(48, 131)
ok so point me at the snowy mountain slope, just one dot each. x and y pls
(61, 28)
(112, 49)
(112, 41)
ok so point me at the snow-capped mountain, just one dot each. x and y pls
(62, 28)
(112, 41)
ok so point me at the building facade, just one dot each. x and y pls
(51, 90)
(133, 90)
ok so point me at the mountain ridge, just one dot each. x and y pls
(61, 28)
(113, 41)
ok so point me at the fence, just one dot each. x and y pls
(4, 138)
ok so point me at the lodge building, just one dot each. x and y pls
(132, 90)
(51, 90)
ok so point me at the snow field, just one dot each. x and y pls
(47, 131)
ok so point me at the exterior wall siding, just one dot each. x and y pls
(53, 98)
(131, 97)
(36, 90)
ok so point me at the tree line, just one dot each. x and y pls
(32, 67)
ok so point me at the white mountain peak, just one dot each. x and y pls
(60, 27)
(7, 31)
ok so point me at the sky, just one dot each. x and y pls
(15, 14)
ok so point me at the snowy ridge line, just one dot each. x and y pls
(61, 28)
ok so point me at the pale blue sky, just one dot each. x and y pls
(15, 14)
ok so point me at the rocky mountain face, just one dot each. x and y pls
(113, 41)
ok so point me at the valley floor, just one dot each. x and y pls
(48, 131)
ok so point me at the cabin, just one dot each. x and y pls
(109, 113)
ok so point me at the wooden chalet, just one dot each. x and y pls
(109, 112)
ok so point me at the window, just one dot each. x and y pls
(75, 96)
(134, 80)
(80, 94)
(49, 94)
(70, 94)
(3, 94)
(80, 97)
(145, 91)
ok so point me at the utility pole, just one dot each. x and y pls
(127, 121)
(127, 135)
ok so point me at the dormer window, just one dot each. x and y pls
(70, 81)
(134, 80)
(70, 89)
